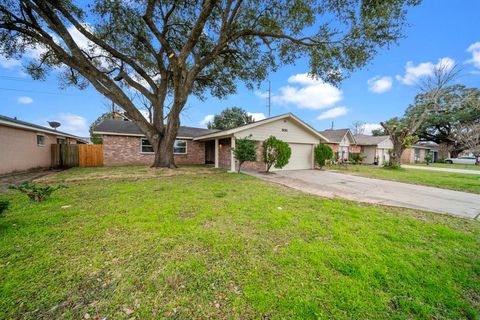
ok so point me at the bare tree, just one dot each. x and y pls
(402, 130)
(469, 136)
(358, 127)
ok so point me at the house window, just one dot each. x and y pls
(40, 140)
(146, 146)
(180, 147)
(417, 155)
(61, 141)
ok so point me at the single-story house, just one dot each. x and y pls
(124, 143)
(25, 146)
(342, 142)
(375, 148)
(417, 152)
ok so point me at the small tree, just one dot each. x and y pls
(245, 150)
(428, 158)
(323, 153)
(276, 153)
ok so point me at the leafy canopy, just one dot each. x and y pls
(230, 118)
(166, 51)
(323, 153)
(276, 153)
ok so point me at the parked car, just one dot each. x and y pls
(461, 160)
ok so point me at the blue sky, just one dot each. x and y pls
(439, 29)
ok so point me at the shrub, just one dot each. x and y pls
(391, 165)
(245, 150)
(428, 158)
(356, 158)
(36, 192)
(3, 206)
(276, 153)
(323, 153)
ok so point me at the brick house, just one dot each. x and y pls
(376, 149)
(342, 142)
(418, 151)
(25, 146)
(124, 144)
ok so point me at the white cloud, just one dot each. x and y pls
(475, 50)
(261, 94)
(333, 113)
(74, 124)
(208, 118)
(9, 63)
(371, 126)
(308, 93)
(414, 72)
(24, 100)
(257, 116)
(379, 84)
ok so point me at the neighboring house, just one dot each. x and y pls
(25, 146)
(417, 152)
(341, 141)
(124, 144)
(375, 148)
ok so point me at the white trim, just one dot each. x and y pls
(21, 126)
(133, 135)
(186, 147)
(259, 123)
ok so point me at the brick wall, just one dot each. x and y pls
(354, 149)
(224, 157)
(123, 150)
(408, 156)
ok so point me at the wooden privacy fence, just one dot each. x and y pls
(77, 155)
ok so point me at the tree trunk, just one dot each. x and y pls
(163, 148)
(396, 153)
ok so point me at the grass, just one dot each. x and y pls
(447, 165)
(446, 180)
(208, 244)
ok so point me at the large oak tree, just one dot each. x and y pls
(168, 50)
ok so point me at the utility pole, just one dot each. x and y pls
(269, 99)
(113, 110)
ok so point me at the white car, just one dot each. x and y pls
(461, 160)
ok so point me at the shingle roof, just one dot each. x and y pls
(334, 135)
(32, 126)
(365, 140)
(130, 128)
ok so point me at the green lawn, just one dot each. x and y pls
(446, 165)
(201, 243)
(446, 180)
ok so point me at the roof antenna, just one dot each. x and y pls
(332, 125)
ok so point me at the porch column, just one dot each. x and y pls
(216, 153)
(232, 158)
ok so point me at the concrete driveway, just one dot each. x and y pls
(333, 184)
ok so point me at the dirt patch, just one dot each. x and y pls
(17, 178)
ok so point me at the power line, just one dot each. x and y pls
(44, 92)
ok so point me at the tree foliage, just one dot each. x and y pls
(245, 150)
(402, 130)
(276, 153)
(379, 132)
(323, 152)
(230, 118)
(168, 50)
(458, 107)
(95, 138)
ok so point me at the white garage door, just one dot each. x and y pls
(301, 157)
